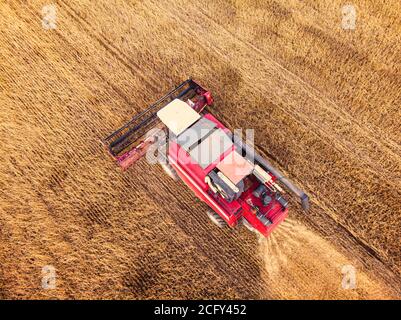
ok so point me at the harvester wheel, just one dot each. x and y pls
(170, 171)
(248, 225)
(216, 219)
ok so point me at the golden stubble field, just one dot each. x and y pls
(325, 104)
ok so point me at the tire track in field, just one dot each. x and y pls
(303, 119)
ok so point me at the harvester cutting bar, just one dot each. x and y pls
(123, 143)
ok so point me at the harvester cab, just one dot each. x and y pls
(237, 184)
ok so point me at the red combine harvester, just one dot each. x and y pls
(237, 184)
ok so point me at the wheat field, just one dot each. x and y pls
(325, 106)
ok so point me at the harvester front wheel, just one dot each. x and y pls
(216, 219)
(248, 225)
(170, 171)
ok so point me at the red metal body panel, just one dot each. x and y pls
(274, 211)
(232, 212)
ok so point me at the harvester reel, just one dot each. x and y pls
(216, 219)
